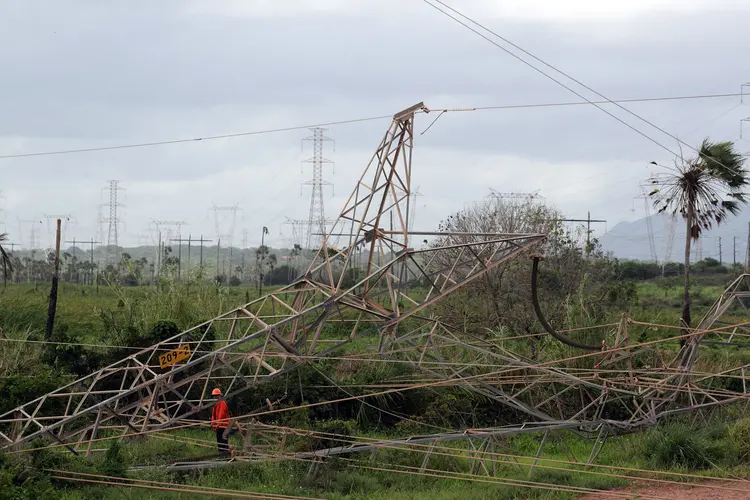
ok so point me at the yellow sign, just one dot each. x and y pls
(174, 357)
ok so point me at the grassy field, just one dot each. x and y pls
(88, 316)
(663, 453)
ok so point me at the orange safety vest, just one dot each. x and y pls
(220, 415)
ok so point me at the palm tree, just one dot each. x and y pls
(705, 191)
(5, 259)
(260, 256)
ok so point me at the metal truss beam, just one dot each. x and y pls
(274, 334)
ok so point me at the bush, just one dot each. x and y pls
(19, 483)
(64, 353)
(680, 446)
(19, 389)
(114, 463)
(333, 433)
(739, 433)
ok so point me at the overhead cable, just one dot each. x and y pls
(609, 101)
(356, 120)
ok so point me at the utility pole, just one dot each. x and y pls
(263, 234)
(72, 266)
(747, 250)
(92, 265)
(53, 290)
(180, 241)
(218, 253)
(721, 261)
(734, 251)
(166, 225)
(179, 257)
(201, 253)
(158, 255)
(588, 220)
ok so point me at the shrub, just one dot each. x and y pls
(680, 446)
(19, 483)
(333, 433)
(64, 353)
(739, 433)
(19, 389)
(114, 463)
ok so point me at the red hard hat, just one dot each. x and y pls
(216, 392)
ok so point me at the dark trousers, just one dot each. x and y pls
(222, 442)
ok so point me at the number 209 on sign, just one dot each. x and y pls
(175, 356)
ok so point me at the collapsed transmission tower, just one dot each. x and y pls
(317, 222)
(158, 387)
(321, 313)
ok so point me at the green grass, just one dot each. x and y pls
(84, 314)
(378, 475)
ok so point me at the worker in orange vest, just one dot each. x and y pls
(220, 422)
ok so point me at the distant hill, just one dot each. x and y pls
(630, 240)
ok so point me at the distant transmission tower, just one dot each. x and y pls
(298, 229)
(670, 227)
(225, 232)
(164, 234)
(33, 243)
(698, 249)
(113, 220)
(413, 209)
(51, 227)
(317, 221)
(649, 223)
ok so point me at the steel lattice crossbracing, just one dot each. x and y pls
(278, 332)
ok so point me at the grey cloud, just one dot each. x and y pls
(99, 75)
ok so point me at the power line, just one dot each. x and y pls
(580, 103)
(565, 75)
(537, 69)
(357, 120)
(194, 139)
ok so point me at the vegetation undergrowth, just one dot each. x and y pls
(98, 326)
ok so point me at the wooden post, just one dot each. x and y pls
(53, 290)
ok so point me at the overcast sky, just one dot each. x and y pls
(80, 74)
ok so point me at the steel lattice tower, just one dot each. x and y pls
(113, 220)
(317, 221)
(226, 235)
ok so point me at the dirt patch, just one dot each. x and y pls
(713, 490)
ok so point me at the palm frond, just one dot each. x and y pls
(711, 186)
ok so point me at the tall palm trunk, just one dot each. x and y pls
(686, 297)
